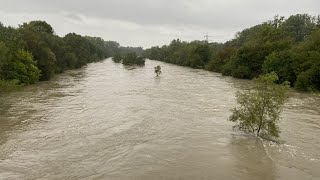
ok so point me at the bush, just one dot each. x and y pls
(6, 86)
(133, 59)
(260, 107)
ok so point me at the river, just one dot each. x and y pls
(107, 121)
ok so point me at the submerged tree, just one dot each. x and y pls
(133, 59)
(117, 58)
(260, 107)
(157, 70)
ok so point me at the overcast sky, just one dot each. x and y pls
(152, 22)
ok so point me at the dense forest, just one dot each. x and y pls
(33, 52)
(289, 47)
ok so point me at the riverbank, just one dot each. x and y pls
(272, 46)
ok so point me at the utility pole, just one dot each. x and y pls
(206, 38)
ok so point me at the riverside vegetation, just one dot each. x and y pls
(289, 47)
(33, 52)
(283, 51)
(259, 108)
(129, 59)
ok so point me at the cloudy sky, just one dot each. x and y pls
(152, 22)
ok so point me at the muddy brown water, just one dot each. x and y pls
(107, 121)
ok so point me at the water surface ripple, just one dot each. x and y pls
(107, 121)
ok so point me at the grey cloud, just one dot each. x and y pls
(217, 14)
(152, 22)
(74, 17)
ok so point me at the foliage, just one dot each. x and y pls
(4, 52)
(194, 54)
(39, 26)
(33, 52)
(157, 70)
(306, 63)
(133, 59)
(126, 50)
(23, 68)
(290, 47)
(117, 58)
(8, 85)
(259, 108)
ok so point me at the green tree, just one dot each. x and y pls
(46, 62)
(40, 26)
(282, 64)
(22, 67)
(309, 80)
(117, 58)
(299, 26)
(4, 55)
(133, 59)
(259, 108)
(157, 70)
(8, 85)
(36, 43)
(33, 48)
(306, 57)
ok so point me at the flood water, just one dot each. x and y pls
(106, 121)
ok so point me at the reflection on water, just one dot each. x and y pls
(109, 121)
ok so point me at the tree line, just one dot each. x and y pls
(33, 52)
(129, 59)
(289, 47)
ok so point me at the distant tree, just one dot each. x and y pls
(260, 107)
(282, 64)
(133, 59)
(112, 47)
(299, 26)
(306, 57)
(40, 26)
(33, 49)
(46, 62)
(157, 70)
(71, 60)
(4, 51)
(117, 58)
(128, 49)
(288, 47)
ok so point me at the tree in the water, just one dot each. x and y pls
(157, 70)
(133, 59)
(117, 58)
(259, 108)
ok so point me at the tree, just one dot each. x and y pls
(133, 59)
(117, 58)
(40, 26)
(22, 67)
(33, 48)
(259, 108)
(306, 57)
(157, 70)
(300, 26)
(46, 62)
(4, 51)
(282, 64)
